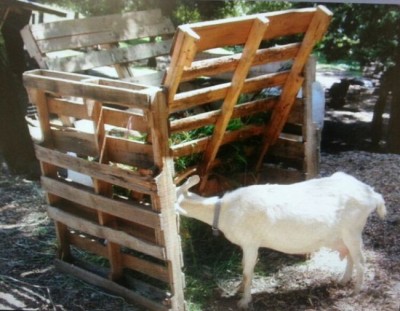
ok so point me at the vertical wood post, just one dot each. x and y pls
(164, 200)
(311, 132)
(39, 99)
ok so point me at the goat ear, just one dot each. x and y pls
(192, 180)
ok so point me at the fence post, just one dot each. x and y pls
(311, 132)
(164, 199)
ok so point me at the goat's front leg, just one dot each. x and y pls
(250, 255)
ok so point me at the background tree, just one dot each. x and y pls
(371, 34)
(15, 142)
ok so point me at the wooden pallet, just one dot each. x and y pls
(127, 215)
(253, 36)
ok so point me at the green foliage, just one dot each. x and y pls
(363, 33)
(196, 10)
(252, 7)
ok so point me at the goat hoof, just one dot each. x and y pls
(243, 303)
(344, 280)
(356, 291)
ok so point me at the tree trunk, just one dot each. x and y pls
(15, 142)
(386, 86)
(394, 123)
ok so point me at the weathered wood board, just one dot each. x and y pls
(89, 43)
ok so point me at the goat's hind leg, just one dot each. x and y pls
(249, 261)
(353, 242)
(348, 272)
(344, 253)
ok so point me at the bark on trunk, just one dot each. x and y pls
(15, 142)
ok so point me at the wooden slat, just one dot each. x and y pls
(288, 149)
(296, 115)
(159, 134)
(184, 50)
(124, 119)
(94, 37)
(59, 75)
(63, 238)
(88, 244)
(91, 31)
(74, 141)
(114, 175)
(235, 31)
(137, 230)
(151, 269)
(70, 27)
(256, 33)
(129, 152)
(110, 286)
(31, 46)
(128, 98)
(39, 99)
(312, 132)
(208, 118)
(112, 56)
(198, 145)
(214, 66)
(125, 210)
(154, 78)
(154, 270)
(112, 235)
(65, 107)
(123, 84)
(210, 94)
(164, 199)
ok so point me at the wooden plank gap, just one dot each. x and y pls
(184, 49)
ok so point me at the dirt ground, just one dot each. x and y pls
(29, 281)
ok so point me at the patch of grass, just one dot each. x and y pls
(90, 258)
(207, 259)
(42, 231)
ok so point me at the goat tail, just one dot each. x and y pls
(381, 210)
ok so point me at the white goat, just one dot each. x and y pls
(295, 219)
